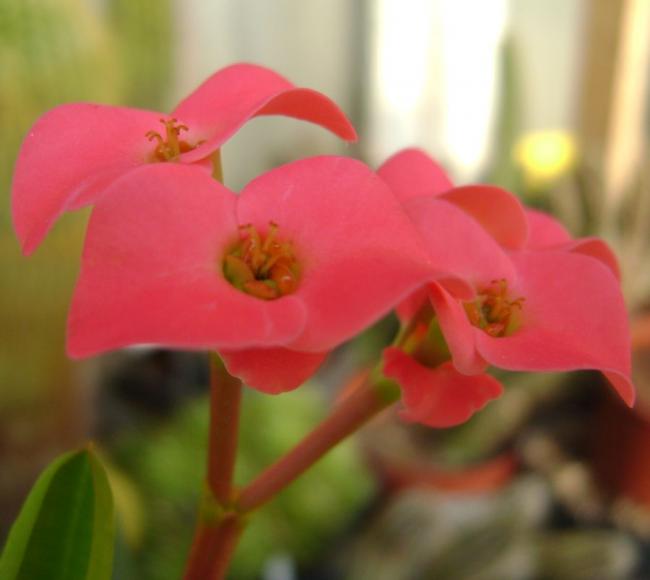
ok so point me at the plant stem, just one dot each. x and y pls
(222, 515)
(346, 418)
(373, 396)
(219, 525)
(225, 399)
(213, 548)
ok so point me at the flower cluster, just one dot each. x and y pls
(311, 253)
(514, 291)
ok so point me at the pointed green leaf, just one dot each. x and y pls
(65, 530)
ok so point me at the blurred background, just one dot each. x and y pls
(548, 98)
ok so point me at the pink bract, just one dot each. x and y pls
(547, 233)
(438, 397)
(272, 370)
(572, 314)
(412, 174)
(74, 152)
(152, 265)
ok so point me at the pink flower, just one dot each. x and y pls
(274, 278)
(533, 299)
(434, 392)
(74, 152)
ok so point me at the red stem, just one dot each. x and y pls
(222, 516)
(349, 415)
(219, 526)
(225, 399)
(213, 548)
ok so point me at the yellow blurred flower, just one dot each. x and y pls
(545, 156)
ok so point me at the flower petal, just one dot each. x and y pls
(151, 271)
(272, 370)
(411, 172)
(544, 230)
(410, 306)
(596, 248)
(70, 155)
(573, 318)
(359, 253)
(439, 397)
(456, 243)
(459, 334)
(235, 94)
(497, 210)
(548, 233)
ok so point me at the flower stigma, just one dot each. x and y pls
(493, 311)
(169, 147)
(261, 264)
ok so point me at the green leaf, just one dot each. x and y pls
(65, 530)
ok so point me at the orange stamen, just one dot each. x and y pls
(261, 264)
(170, 147)
(493, 311)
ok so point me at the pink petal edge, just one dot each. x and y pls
(440, 397)
(69, 157)
(272, 370)
(236, 94)
(497, 210)
(595, 248)
(459, 334)
(544, 230)
(411, 173)
(548, 233)
(457, 245)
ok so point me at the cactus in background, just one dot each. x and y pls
(145, 49)
(51, 51)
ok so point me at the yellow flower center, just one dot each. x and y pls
(493, 311)
(261, 264)
(169, 147)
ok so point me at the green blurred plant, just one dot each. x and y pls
(52, 52)
(169, 464)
